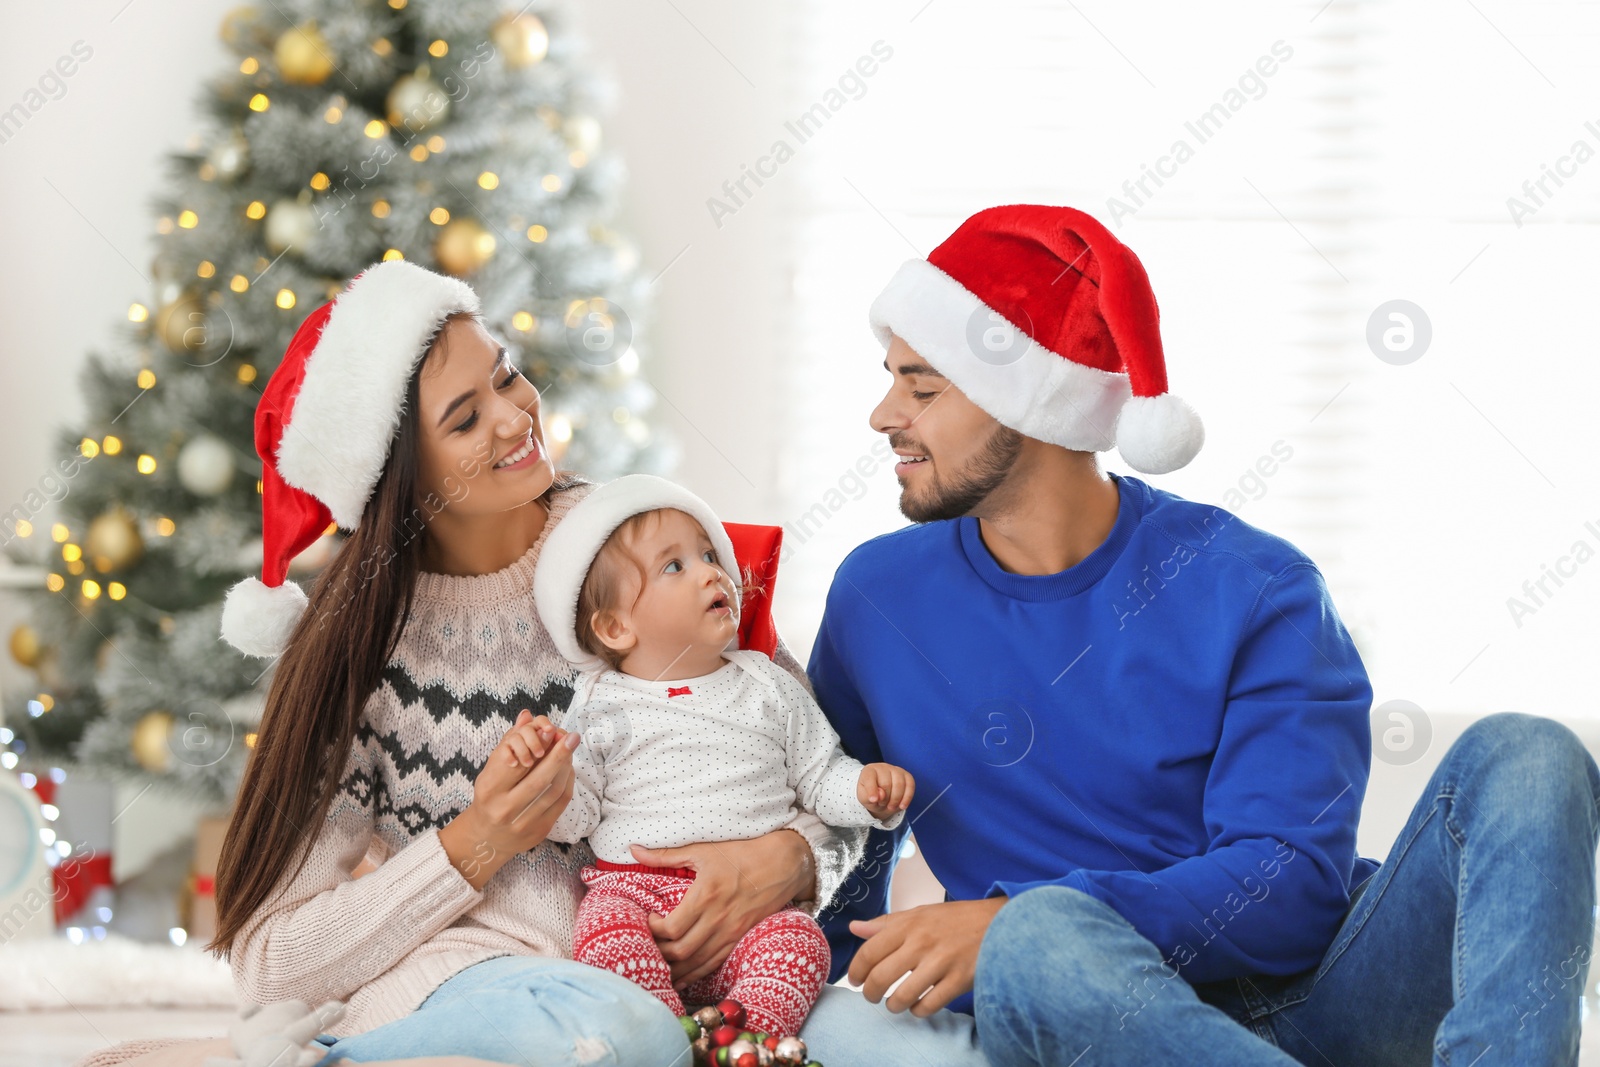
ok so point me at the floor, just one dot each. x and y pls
(59, 1038)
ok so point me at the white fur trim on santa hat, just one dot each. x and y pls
(1159, 434)
(348, 408)
(1039, 393)
(571, 547)
(257, 619)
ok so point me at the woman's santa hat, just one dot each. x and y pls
(324, 425)
(1086, 371)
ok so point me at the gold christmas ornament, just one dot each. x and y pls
(303, 56)
(205, 465)
(290, 224)
(463, 246)
(25, 646)
(113, 542)
(416, 103)
(521, 39)
(181, 324)
(243, 28)
(151, 742)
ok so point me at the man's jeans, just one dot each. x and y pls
(1469, 946)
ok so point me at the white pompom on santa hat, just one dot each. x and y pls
(1085, 368)
(324, 425)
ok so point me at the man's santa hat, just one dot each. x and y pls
(324, 425)
(1086, 371)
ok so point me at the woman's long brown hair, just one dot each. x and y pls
(332, 664)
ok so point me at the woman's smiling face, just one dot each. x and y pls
(481, 447)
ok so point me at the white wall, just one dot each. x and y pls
(75, 184)
(701, 90)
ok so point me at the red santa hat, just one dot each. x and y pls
(324, 425)
(1085, 371)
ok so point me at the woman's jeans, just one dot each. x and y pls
(1470, 945)
(529, 1010)
(546, 1012)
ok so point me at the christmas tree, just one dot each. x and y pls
(459, 134)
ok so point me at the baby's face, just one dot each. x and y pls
(687, 602)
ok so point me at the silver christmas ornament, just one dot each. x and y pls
(205, 465)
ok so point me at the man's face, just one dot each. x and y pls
(953, 453)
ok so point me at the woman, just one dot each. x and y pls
(413, 675)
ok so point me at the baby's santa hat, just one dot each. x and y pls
(1080, 363)
(324, 425)
(570, 549)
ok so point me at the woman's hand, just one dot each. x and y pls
(736, 885)
(516, 799)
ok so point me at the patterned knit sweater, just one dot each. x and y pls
(473, 654)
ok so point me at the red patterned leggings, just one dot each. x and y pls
(776, 970)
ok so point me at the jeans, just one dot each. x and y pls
(555, 1013)
(530, 1010)
(1469, 946)
(845, 1029)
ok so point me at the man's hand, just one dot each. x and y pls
(936, 943)
(736, 885)
(885, 789)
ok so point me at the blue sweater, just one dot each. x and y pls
(1177, 726)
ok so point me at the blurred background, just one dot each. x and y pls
(1370, 227)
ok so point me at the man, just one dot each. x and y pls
(1140, 730)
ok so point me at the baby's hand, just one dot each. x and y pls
(885, 789)
(529, 739)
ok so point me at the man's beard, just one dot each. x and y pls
(968, 488)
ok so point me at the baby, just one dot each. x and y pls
(686, 738)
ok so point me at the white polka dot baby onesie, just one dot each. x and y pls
(727, 756)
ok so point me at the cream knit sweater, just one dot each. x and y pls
(472, 655)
